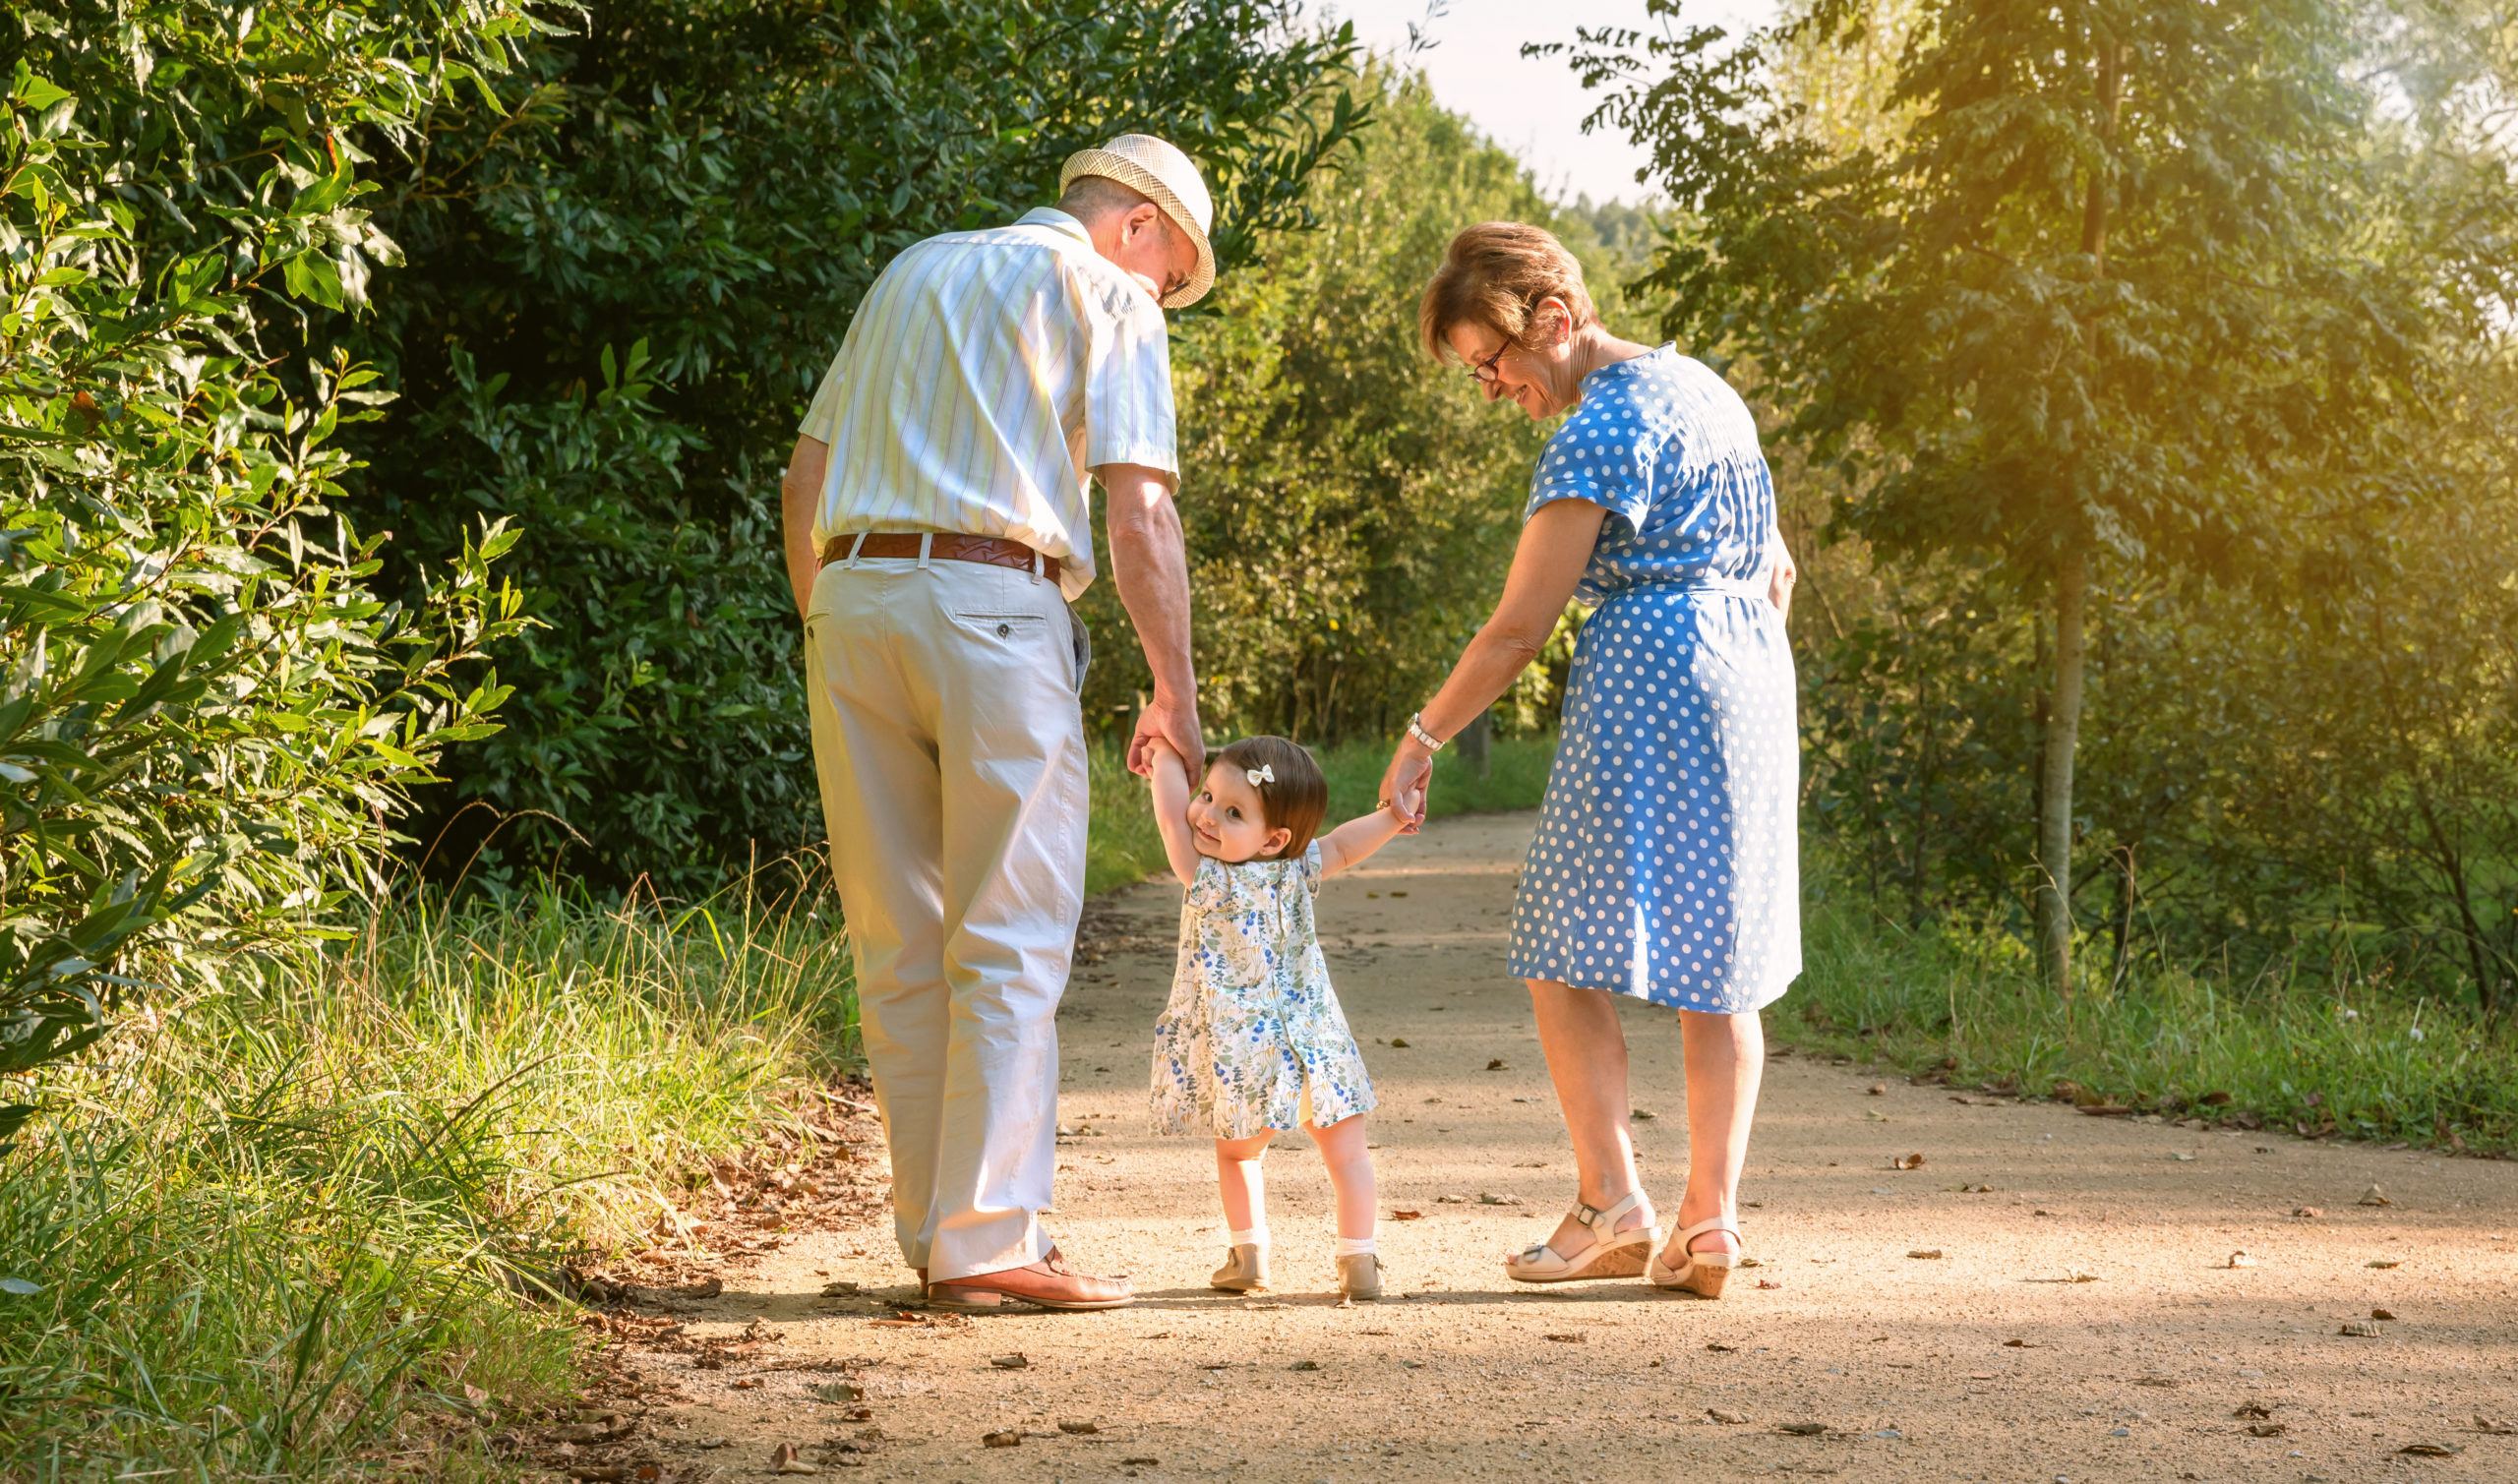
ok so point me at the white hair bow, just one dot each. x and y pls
(1260, 774)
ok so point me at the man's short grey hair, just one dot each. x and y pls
(1090, 196)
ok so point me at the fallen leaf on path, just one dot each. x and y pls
(2155, 1381)
(1640, 1116)
(1874, 1115)
(2496, 1429)
(1401, 1041)
(1907, 1161)
(2105, 1109)
(2214, 1099)
(2239, 1259)
(1495, 1064)
(1725, 1414)
(2382, 1314)
(1880, 1089)
(2068, 1277)
(2182, 1157)
(1718, 1347)
(747, 1384)
(1980, 1375)
(783, 1460)
(1451, 1200)
(1490, 1198)
(1975, 1190)
(839, 1390)
(2359, 1328)
(1080, 1429)
(2432, 1449)
(1145, 1462)
(2252, 1409)
(1407, 1215)
(1377, 1332)
(2021, 1345)
(1014, 1362)
(840, 1287)
(2374, 1196)
(1925, 1254)
(1801, 1429)
(1767, 1282)
(1008, 1438)
(1305, 1365)
(2266, 1429)
(2307, 1213)
(1567, 1339)
(610, 1430)
(2386, 1261)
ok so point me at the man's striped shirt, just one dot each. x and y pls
(984, 374)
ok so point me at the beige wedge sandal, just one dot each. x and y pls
(1702, 1273)
(1613, 1253)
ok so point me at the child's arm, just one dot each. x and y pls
(1355, 840)
(1170, 777)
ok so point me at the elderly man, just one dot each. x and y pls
(937, 525)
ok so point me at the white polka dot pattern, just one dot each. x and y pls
(1666, 862)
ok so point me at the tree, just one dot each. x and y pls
(625, 282)
(210, 721)
(2105, 302)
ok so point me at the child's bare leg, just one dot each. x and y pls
(1242, 1186)
(1351, 1174)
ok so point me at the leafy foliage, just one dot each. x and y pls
(209, 719)
(2148, 316)
(1349, 505)
(623, 288)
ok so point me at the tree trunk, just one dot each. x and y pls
(1475, 741)
(2055, 792)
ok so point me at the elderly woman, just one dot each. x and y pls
(1665, 864)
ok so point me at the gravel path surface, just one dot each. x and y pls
(2048, 1296)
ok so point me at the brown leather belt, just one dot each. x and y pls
(993, 551)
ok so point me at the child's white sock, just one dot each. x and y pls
(1256, 1236)
(1355, 1246)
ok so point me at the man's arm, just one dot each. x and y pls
(799, 494)
(1150, 564)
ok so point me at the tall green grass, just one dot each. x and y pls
(303, 1228)
(2319, 1049)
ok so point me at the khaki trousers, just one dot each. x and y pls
(949, 747)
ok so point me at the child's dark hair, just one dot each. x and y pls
(1299, 798)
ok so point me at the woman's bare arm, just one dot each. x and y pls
(1555, 546)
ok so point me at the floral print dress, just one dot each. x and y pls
(1253, 1031)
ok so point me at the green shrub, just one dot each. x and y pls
(209, 719)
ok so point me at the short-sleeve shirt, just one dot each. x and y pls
(984, 374)
(1670, 451)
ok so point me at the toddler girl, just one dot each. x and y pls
(1253, 1042)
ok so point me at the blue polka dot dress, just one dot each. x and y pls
(1666, 863)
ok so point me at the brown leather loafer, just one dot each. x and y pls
(1050, 1283)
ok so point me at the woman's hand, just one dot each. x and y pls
(1404, 784)
(1780, 585)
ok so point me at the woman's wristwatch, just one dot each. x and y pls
(1424, 738)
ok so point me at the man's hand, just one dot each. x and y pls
(1166, 724)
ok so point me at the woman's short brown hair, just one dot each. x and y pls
(1494, 275)
(1297, 799)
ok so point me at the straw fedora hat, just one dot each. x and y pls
(1162, 174)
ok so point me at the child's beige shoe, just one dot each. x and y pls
(1244, 1271)
(1360, 1277)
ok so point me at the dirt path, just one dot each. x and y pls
(2081, 1320)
